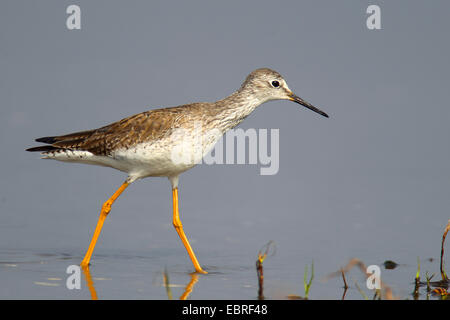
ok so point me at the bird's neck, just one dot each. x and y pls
(236, 107)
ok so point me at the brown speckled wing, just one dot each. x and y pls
(142, 127)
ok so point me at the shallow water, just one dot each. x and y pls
(36, 274)
(323, 224)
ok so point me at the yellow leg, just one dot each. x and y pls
(106, 208)
(179, 228)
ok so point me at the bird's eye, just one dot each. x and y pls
(275, 84)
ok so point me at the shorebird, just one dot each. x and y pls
(142, 145)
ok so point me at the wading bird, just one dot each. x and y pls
(142, 145)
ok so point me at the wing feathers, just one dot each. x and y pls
(127, 132)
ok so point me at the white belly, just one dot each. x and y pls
(163, 158)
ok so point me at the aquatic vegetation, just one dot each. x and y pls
(307, 285)
(262, 254)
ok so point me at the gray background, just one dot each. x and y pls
(370, 182)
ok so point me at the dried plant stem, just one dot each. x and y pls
(443, 274)
(417, 281)
(260, 273)
(345, 284)
(260, 269)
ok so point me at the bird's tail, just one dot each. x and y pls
(42, 149)
(66, 142)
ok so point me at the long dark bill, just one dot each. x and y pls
(307, 105)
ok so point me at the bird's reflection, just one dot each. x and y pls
(89, 282)
(187, 290)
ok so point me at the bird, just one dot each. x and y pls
(142, 145)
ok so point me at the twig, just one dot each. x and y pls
(260, 274)
(417, 281)
(443, 274)
(259, 267)
(345, 284)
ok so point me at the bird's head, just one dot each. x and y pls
(266, 84)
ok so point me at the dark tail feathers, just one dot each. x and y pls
(48, 140)
(43, 148)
